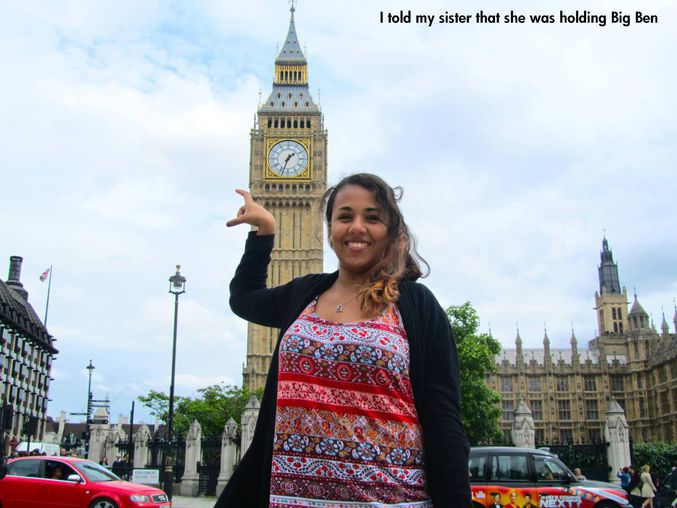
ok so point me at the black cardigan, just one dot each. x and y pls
(434, 374)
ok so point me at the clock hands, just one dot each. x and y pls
(286, 161)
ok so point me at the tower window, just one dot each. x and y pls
(272, 103)
(615, 327)
(307, 104)
(276, 123)
(296, 104)
(620, 327)
(613, 312)
(289, 95)
(308, 124)
(303, 124)
(270, 123)
(295, 124)
(279, 95)
(282, 103)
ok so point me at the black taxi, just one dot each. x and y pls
(506, 477)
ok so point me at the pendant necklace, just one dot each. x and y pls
(339, 306)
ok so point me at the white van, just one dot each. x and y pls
(48, 448)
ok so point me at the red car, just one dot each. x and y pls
(68, 482)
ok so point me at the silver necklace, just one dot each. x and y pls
(339, 306)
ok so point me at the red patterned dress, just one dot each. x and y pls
(346, 430)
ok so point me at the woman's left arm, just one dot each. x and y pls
(446, 446)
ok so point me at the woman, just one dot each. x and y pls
(648, 487)
(362, 401)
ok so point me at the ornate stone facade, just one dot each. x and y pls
(287, 175)
(26, 354)
(569, 390)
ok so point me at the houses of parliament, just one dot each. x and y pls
(567, 390)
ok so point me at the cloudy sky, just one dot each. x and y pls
(124, 128)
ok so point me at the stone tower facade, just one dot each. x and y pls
(569, 391)
(288, 176)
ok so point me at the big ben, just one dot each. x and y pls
(288, 176)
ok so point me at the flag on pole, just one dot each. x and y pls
(44, 275)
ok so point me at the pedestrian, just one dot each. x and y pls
(578, 474)
(634, 487)
(672, 479)
(624, 476)
(362, 400)
(648, 487)
(104, 461)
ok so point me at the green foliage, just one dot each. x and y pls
(212, 408)
(480, 405)
(661, 456)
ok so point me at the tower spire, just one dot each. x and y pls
(608, 271)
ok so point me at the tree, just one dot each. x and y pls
(212, 408)
(661, 456)
(480, 405)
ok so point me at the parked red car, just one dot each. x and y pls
(68, 482)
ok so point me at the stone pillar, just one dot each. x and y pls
(616, 434)
(141, 446)
(97, 441)
(228, 454)
(111, 451)
(249, 417)
(523, 429)
(189, 485)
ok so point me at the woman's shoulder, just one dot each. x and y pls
(417, 292)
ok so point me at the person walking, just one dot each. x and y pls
(634, 488)
(648, 488)
(362, 399)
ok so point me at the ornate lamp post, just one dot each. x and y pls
(88, 422)
(177, 286)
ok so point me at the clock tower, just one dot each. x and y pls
(288, 176)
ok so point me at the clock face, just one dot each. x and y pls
(288, 158)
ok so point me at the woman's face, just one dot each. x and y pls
(357, 231)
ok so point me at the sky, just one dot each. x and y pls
(124, 130)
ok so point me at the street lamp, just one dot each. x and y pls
(90, 368)
(177, 286)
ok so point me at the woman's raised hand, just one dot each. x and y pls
(253, 214)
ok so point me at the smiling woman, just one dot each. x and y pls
(348, 416)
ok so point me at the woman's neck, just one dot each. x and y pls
(350, 281)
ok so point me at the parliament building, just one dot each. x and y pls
(567, 390)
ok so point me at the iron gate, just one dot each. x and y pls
(590, 458)
(210, 466)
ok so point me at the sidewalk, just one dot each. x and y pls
(193, 502)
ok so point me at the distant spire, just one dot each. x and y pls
(674, 319)
(574, 341)
(291, 49)
(518, 339)
(518, 347)
(665, 330)
(608, 271)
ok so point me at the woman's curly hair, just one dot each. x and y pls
(399, 260)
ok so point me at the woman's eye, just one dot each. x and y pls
(343, 217)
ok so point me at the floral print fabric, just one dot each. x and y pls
(346, 430)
